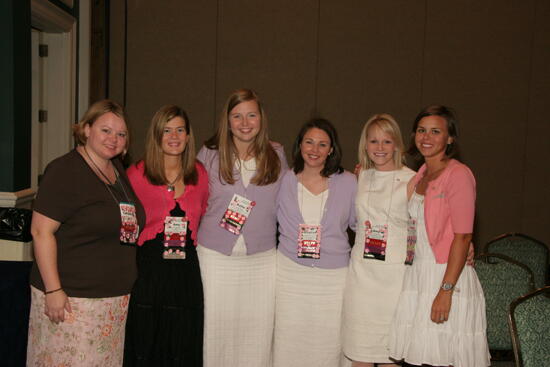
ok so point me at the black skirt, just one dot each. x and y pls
(166, 312)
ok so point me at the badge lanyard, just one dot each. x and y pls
(411, 233)
(175, 234)
(129, 228)
(309, 235)
(238, 210)
(376, 235)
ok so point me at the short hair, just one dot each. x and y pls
(386, 123)
(334, 159)
(448, 114)
(154, 155)
(267, 161)
(94, 112)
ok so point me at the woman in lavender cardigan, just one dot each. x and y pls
(315, 208)
(237, 235)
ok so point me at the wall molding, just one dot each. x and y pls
(18, 199)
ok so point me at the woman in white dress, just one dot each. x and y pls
(377, 266)
(440, 317)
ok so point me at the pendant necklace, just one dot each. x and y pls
(171, 186)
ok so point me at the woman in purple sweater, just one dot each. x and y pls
(315, 209)
(237, 235)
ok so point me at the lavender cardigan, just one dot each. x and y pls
(260, 229)
(338, 214)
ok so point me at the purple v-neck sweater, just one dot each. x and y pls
(338, 215)
(260, 228)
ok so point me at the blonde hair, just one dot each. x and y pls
(154, 155)
(94, 112)
(268, 164)
(386, 123)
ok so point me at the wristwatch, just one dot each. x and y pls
(447, 286)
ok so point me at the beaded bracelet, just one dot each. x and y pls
(55, 290)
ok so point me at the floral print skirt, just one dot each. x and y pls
(92, 335)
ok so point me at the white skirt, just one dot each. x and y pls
(239, 308)
(461, 341)
(370, 300)
(308, 315)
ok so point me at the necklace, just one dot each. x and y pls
(107, 178)
(97, 167)
(171, 186)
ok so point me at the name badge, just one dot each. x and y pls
(236, 214)
(175, 233)
(129, 228)
(411, 241)
(309, 241)
(376, 240)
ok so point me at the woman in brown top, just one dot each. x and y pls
(85, 223)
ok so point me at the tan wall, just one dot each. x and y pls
(345, 60)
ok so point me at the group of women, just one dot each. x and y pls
(229, 258)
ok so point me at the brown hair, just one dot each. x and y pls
(154, 155)
(94, 112)
(448, 114)
(267, 162)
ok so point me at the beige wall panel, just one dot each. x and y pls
(171, 59)
(536, 210)
(477, 60)
(270, 46)
(116, 51)
(370, 61)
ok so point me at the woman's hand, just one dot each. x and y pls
(357, 170)
(55, 305)
(471, 255)
(441, 306)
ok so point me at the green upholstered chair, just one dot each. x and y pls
(525, 249)
(530, 328)
(503, 280)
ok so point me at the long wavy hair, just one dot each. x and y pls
(268, 164)
(154, 155)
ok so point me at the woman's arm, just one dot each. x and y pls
(441, 306)
(45, 252)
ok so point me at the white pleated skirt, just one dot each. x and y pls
(308, 315)
(239, 308)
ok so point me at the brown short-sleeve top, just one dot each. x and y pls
(90, 259)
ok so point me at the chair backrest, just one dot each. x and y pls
(530, 328)
(503, 280)
(525, 249)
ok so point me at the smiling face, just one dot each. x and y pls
(244, 122)
(432, 136)
(315, 148)
(174, 137)
(380, 149)
(106, 137)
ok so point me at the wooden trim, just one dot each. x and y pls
(69, 3)
(49, 18)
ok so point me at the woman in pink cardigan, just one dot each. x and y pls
(440, 319)
(165, 318)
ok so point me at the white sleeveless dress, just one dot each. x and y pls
(461, 341)
(373, 286)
